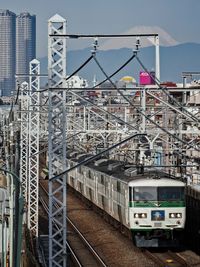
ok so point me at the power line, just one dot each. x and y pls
(82, 66)
(105, 111)
(165, 91)
(139, 111)
(126, 63)
(96, 156)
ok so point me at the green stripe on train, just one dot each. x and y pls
(155, 204)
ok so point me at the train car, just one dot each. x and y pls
(149, 203)
(192, 227)
(156, 211)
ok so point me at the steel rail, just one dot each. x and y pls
(176, 259)
(180, 259)
(72, 252)
(91, 249)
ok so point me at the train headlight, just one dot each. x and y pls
(140, 215)
(175, 215)
(143, 215)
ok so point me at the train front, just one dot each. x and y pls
(157, 212)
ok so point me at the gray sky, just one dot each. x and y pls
(180, 18)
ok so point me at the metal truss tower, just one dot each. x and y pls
(57, 141)
(34, 131)
(24, 144)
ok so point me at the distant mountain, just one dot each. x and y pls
(173, 61)
(117, 43)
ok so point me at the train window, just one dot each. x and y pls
(90, 175)
(102, 179)
(145, 193)
(118, 186)
(170, 193)
(79, 170)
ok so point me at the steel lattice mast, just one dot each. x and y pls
(57, 142)
(24, 143)
(34, 130)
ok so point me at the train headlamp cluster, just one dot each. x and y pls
(175, 215)
(140, 215)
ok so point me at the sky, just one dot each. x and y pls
(180, 18)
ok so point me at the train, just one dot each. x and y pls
(148, 203)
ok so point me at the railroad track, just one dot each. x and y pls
(81, 251)
(167, 258)
(147, 258)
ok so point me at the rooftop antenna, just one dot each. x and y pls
(94, 81)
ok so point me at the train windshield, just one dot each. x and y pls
(145, 193)
(157, 194)
(170, 193)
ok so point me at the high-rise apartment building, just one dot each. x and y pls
(7, 52)
(17, 48)
(25, 43)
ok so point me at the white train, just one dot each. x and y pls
(148, 203)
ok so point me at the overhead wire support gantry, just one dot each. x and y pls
(33, 156)
(57, 142)
(155, 41)
(77, 36)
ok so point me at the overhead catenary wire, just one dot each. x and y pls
(70, 76)
(165, 91)
(113, 74)
(105, 111)
(139, 111)
(96, 156)
(135, 55)
(192, 116)
(82, 66)
(108, 77)
(46, 148)
(125, 123)
(109, 113)
(173, 108)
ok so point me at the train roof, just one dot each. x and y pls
(193, 191)
(165, 182)
(130, 174)
(195, 187)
